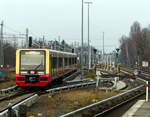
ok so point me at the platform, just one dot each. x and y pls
(140, 109)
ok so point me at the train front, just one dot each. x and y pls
(32, 67)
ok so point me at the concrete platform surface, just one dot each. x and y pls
(139, 109)
(120, 85)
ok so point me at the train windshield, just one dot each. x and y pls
(32, 60)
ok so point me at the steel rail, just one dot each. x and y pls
(72, 75)
(132, 70)
(146, 76)
(21, 93)
(77, 81)
(70, 87)
(3, 112)
(8, 97)
(8, 89)
(97, 115)
(101, 102)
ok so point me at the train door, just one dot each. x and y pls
(69, 62)
(65, 67)
(57, 62)
(52, 66)
(54, 63)
(63, 63)
(60, 62)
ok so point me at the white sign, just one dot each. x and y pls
(144, 63)
(98, 73)
(135, 72)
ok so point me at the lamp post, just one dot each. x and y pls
(88, 3)
(82, 41)
(1, 45)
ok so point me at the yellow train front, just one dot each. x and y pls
(38, 67)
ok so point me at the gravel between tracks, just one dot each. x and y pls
(4, 104)
(67, 101)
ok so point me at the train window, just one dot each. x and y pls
(66, 62)
(70, 61)
(75, 60)
(60, 61)
(54, 59)
(30, 60)
(52, 70)
(50, 65)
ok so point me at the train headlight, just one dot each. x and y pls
(41, 73)
(20, 78)
(24, 72)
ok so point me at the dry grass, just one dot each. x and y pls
(7, 84)
(90, 74)
(10, 77)
(68, 101)
(82, 98)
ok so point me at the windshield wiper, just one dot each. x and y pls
(39, 65)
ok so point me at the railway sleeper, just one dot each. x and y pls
(88, 112)
(105, 106)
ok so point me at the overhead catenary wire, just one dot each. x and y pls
(11, 29)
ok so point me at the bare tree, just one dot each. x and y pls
(136, 47)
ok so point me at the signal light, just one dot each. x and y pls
(30, 41)
(72, 50)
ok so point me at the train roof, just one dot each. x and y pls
(54, 51)
(68, 53)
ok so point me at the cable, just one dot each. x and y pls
(11, 29)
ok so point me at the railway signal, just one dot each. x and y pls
(30, 42)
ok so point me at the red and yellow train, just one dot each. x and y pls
(38, 67)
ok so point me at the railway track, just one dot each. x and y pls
(142, 74)
(19, 93)
(32, 93)
(15, 91)
(101, 108)
(130, 72)
(10, 89)
(106, 104)
(96, 109)
(50, 91)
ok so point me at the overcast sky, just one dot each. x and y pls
(63, 17)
